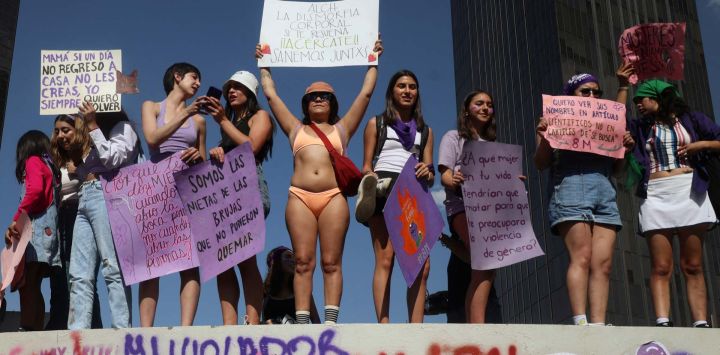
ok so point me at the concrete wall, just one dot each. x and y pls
(435, 339)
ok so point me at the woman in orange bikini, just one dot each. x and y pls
(315, 205)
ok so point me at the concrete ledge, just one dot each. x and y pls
(393, 339)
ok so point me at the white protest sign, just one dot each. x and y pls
(68, 77)
(319, 34)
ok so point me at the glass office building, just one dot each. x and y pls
(521, 49)
(8, 24)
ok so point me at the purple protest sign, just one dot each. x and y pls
(149, 226)
(496, 206)
(225, 210)
(413, 221)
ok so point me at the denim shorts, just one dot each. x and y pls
(588, 197)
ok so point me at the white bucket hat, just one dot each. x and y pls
(245, 78)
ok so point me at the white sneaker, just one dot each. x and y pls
(383, 187)
(365, 204)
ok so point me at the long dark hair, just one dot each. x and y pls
(107, 120)
(670, 103)
(464, 126)
(32, 143)
(251, 108)
(276, 278)
(334, 108)
(390, 114)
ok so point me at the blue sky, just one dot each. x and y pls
(219, 37)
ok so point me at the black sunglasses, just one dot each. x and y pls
(324, 96)
(593, 92)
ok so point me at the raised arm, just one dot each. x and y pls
(286, 120)
(155, 135)
(352, 118)
(623, 74)
(543, 151)
(115, 150)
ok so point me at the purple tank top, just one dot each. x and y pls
(185, 137)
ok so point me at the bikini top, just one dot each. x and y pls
(303, 139)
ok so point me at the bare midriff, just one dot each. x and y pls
(313, 169)
(671, 172)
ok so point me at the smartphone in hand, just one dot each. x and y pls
(212, 92)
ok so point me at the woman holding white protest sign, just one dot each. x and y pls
(242, 121)
(316, 205)
(583, 207)
(476, 121)
(171, 126)
(114, 145)
(673, 191)
(389, 140)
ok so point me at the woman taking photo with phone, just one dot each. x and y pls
(403, 126)
(673, 192)
(172, 126)
(242, 121)
(316, 206)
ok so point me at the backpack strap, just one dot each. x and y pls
(380, 135)
(424, 135)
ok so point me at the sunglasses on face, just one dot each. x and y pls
(594, 92)
(323, 96)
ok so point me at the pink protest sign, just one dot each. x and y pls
(496, 206)
(11, 257)
(655, 50)
(150, 228)
(413, 221)
(585, 124)
(225, 210)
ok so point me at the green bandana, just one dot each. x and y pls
(653, 88)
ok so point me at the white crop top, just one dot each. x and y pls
(393, 155)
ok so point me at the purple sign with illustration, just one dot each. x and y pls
(496, 206)
(225, 210)
(413, 221)
(149, 226)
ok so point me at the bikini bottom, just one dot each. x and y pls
(315, 201)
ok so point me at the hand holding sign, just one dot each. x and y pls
(70, 77)
(413, 221)
(496, 206)
(318, 34)
(656, 50)
(584, 124)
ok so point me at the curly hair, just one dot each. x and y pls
(464, 127)
(80, 143)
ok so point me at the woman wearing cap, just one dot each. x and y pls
(583, 208)
(404, 124)
(673, 191)
(315, 204)
(241, 121)
(172, 126)
(279, 297)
